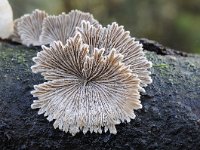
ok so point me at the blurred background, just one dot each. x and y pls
(173, 23)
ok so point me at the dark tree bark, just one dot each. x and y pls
(169, 118)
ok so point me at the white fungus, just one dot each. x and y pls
(6, 19)
(85, 89)
(63, 26)
(93, 74)
(114, 36)
(38, 28)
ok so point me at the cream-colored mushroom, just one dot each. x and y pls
(6, 19)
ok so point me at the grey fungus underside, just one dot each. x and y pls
(30, 28)
(39, 28)
(60, 28)
(15, 36)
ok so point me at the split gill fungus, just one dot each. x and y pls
(94, 74)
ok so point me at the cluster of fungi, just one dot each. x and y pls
(94, 74)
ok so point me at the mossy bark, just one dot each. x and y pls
(169, 118)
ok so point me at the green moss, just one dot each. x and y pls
(162, 66)
(20, 57)
(16, 54)
(4, 55)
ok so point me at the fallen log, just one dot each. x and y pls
(170, 118)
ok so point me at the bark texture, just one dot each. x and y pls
(170, 118)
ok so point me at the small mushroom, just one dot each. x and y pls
(87, 89)
(29, 27)
(6, 19)
(15, 36)
(63, 26)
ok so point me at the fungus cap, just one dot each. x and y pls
(6, 19)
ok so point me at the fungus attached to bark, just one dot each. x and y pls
(114, 36)
(38, 28)
(30, 27)
(87, 88)
(15, 35)
(63, 26)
